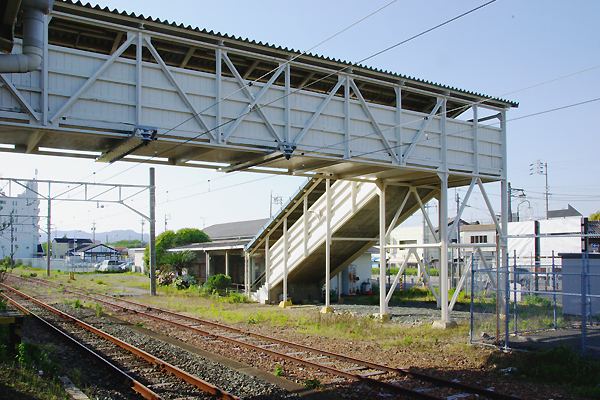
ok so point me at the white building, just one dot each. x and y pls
(19, 224)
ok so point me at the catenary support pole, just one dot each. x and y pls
(48, 233)
(226, 263)
(152, 233)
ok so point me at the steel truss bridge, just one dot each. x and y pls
(116, 86)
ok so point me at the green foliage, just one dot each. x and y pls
(217, 283)
(184, 282)
(533, 300)
(558, 365)
(595, 216)
(177, 261)
(99, 311)
(312, 384)
(409, 271)
(165, 278)
(34, 356)
(2, 304)
(170, 239)
(278, 370)
(127, 243)
(74, 303)
(190, 235)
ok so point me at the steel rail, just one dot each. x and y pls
(135, 385)
(440, 382)
(176, 371)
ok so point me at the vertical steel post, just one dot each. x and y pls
(285, 261)
(267, 265)
(443, 233)
(226, 263)
(583, 302)
(471, 308)
(515, 279)
(152, 223)
(327, 245)
(48, 233)
(382, 253)
(554, 323)
(207, 267)
(504, 216)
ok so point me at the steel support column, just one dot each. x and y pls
(284, 302)
(383, 311)
(226, 263)
(48, 227)
(152, 224)
(327, 307)
(443, 236)
(504, 228)
(267, 266)
(207, 265)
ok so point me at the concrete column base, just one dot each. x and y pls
(384, 318)
(285, 304)
(439, 324)
(326, 310)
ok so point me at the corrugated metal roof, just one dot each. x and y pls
(268, 46)
(234, 230)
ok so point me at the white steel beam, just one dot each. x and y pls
(285, 260)
(398, 275)
(383, 311)
(184, 97)
(443, 231)
(398, 213)
(267, 265)
(253, 103)
(424, 124)
(374, 122)
(17, 94)
(308, 125)
(398, 127)
(218, 95)
(227, 263)
(327, 244)
(305, 225)
(109, 61)
(462, 208)
(424, 211)
(207, 266)
(34, 141)
(460, 285)
(138, 79)
(251, 97)
(489, 205)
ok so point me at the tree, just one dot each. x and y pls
(190, 235)
(170, 239)
(132, 243)
(178, 261)
(595, 216)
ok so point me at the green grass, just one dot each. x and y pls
(560, 365)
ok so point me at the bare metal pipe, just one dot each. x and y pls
(33, 38)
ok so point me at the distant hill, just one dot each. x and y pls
(104, 237)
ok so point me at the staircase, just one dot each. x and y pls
(355, 214)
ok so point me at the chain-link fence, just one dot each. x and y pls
(552, 301)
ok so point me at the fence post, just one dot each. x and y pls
(583, 302)
(554, 290)
(515, 279)
(506, 296)
(471, 327)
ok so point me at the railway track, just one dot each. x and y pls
(401, 381)
(149, 376)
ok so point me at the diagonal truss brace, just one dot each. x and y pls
(461, 209)
(374, 122)
(429, 224)
(11, 88)
(489, 206)
(176, 85)
(65, 107)
(424, 124)
(317, 113)
(255, 99)
(427, 280)
(251, 97)
(398, 275)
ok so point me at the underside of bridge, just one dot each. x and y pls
(96, 83)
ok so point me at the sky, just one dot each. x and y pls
(550, 47)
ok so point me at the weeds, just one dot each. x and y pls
(99, 311)
(312, 384)
(278, 370)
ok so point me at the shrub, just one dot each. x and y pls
(184, 281)
(218, 283)
(165, 278)
(278, 370)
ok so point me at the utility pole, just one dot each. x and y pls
(166, 219)
(541, 168)
(454, 273)
(520, 193)
(276, 199)
(12, 238)
(143, 222)
(94, 232)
